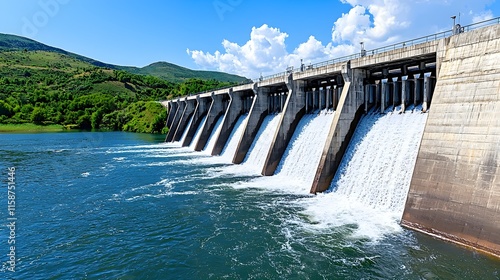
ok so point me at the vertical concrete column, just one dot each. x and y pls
(307, 102)
(201, 110)
(347, 116)
(321, 98)
(271, 103)
(372, 93)
(417, 90)
(217, 109)
(292, 113)
(378, 93)
(405, 92)
(282, 101)
(277, 102)
(428, 88)
(328, 97)
(185, 118)
(175, 121)
(172, 109)
(255, 118)
(314, 99)
(335, 99)
(383, 96)
(396, 93)
(233, 112)
(367, 97)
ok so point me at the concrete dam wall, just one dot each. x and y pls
(455, 189)
(454, 80)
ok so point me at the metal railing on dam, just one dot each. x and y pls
(456, 168)
(400, 45)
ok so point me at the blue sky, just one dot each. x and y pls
(237, 36)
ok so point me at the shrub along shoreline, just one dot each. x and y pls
(45, 89)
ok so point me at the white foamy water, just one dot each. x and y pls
(257, 153)
(256, 156)
(297, 168)
(233, 140)
(198, 133)
(302, 156)
(213, 137)
(370, 188)
(184, 134)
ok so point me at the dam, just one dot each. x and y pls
(437, 97)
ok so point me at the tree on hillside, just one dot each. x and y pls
(38, 115)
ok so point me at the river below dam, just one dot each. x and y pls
(121, 205)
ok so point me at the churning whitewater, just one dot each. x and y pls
(158, 210)
(232, 143)
(371, 184)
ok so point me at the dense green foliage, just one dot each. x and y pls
(51, 88)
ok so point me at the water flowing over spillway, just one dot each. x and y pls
(184, 134)
(377, 168)
(232, 143)
(373, 179)
(258, 150)
(303, 153)
(198, 133)
(164, 207)
(297, 168)
(213, 136)
(256, 156)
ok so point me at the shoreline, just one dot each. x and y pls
(34, 128)
(30, 127)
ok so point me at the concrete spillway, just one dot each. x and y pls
(302, 155)
(232, 143)
(454, 190)
(391, 141)
(259, 148)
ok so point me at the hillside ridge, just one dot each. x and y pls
(161, 69)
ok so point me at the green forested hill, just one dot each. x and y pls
(164, 70)
(175, 73)
(46, 87)
(18, 43)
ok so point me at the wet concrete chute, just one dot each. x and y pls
(453, 79)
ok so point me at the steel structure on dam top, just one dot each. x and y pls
(382, 77)
(397, 75)
(457, 173)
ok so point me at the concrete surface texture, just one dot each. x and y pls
(455, 189)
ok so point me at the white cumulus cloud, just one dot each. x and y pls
(377, 23)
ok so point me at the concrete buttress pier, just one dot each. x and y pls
(293, 111)
(201, 110)
(349, 111)
(176, 120)
(233, 112)
(454, 193)
(172, 109)
(455, 188)
(185, 118)
(255, 118)
(217, 109)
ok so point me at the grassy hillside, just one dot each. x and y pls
(48, 88)
(167, 71)
(175, 73)
(18, 43)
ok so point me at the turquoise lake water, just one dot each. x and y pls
(126, 206)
